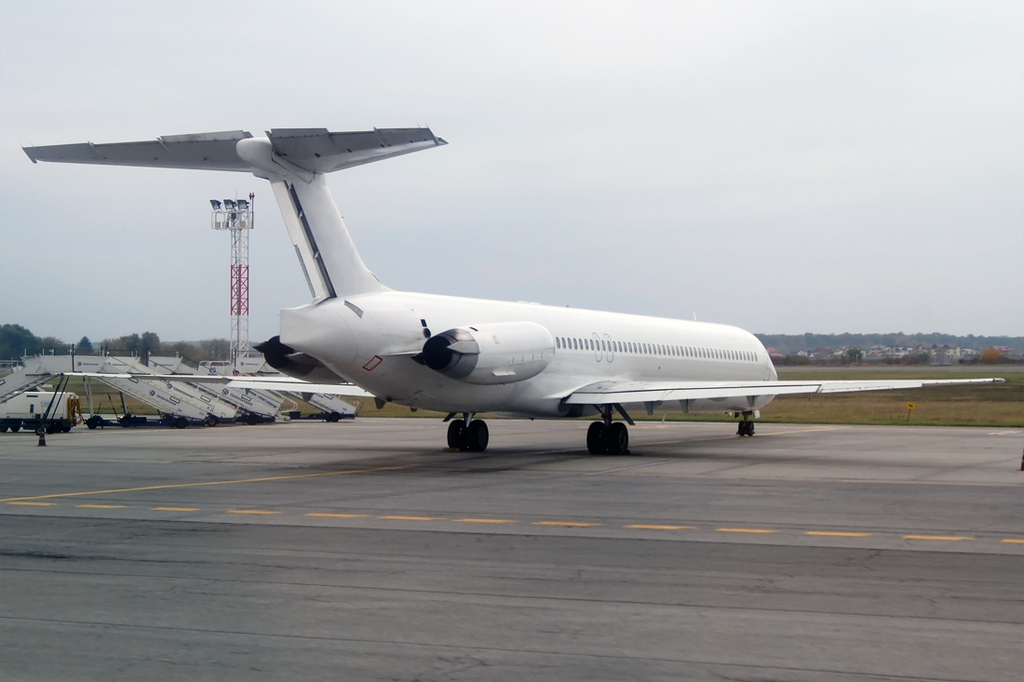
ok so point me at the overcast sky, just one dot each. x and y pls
(786, 167)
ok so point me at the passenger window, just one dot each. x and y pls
(558, 342)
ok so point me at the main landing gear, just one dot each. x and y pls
(746, 427)
(468, 434)
(607, 437)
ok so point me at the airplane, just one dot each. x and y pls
(463, 356)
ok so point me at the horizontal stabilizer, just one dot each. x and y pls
(205, 151)
(316, 150)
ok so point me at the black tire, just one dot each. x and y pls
(750, 429)
(477, 436)
(596, 439)
(252, 419)
(456, 427)
(618, 439)
(15, 428)
(211, 420)
(180, 423)
(3, 428)
(334, 417)
(92, 422)
(52, 427)
(65, 428)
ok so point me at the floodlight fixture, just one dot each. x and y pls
(215, 204)
(243, 205)
(229, 204)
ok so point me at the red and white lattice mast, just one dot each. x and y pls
(236, 216)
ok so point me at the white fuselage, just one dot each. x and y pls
(371, 340)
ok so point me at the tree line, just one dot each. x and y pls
(16, 341)
(791, 344)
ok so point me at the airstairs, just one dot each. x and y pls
(198, 402)
(177, 399)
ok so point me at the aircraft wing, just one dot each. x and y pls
(250, 382)
(609, 392)
(312, 149)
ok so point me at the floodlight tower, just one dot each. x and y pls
(236, 216)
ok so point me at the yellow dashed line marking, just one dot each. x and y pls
(100, 506)
(1013, 541)
(948, 538)
(412, 518)
(745, 530)
(172, 486)
(175, 509)
(837, 534)
(339, 516)
(486, 520)
(34, 504)
(260, 512)
(644, 526)
(568, 524)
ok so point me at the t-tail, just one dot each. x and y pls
(294, 161)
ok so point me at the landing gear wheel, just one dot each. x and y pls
(596, 439)
(618, 439)
(746, 428)
(477, 436)
(455, 431)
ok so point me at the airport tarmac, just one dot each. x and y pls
(364, 551)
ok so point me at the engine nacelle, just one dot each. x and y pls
(297, 365)
(498, 353)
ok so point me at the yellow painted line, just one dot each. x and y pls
(1013, 541)
(171, 486)
(412, 518)
(262, 512)
(568, 524)
(175, 509)
(100, 506)
(34, 504)
(837, 534)
(745, 530)
(339, 516)
(949, 538)
(643, 526)
(486, 520)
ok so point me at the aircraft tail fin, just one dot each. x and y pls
(294, 160)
